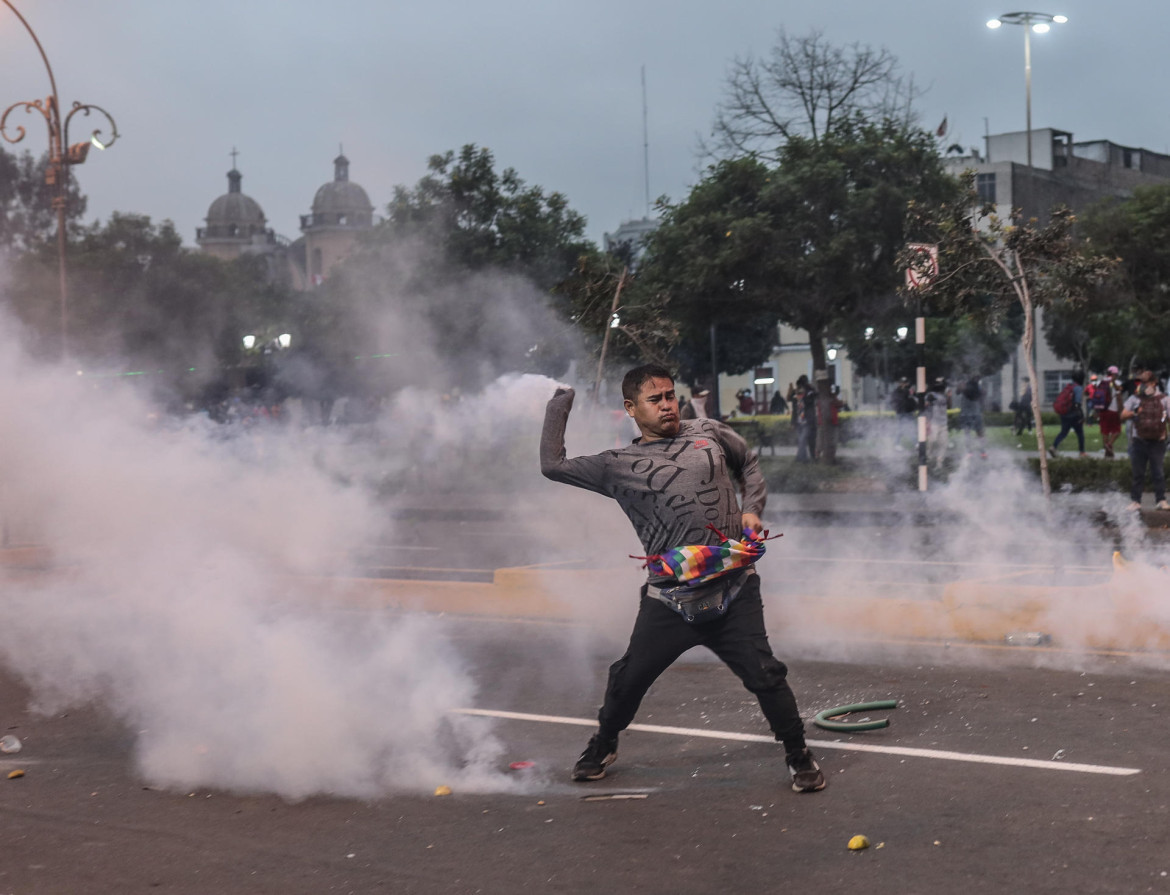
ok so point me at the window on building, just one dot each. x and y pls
(315, 268)
(1054, 381)
(985, 187)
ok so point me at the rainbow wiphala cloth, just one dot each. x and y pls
(694, 565)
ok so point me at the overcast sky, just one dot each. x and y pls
(552, 88)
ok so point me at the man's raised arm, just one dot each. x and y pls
(583, 472)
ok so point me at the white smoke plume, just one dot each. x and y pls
(174, 602)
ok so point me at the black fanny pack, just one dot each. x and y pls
(701, 602)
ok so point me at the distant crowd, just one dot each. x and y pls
(800, 401)
(1138, 403)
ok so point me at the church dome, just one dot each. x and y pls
(234, 215)
(341, 202)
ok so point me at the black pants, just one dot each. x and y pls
(1072, 422)
(738, 637)
(1144, 453)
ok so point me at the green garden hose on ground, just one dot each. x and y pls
(825, 722)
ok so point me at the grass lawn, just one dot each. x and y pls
(1003, 437)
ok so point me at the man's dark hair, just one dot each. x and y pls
(639, 376)
(1078, 377)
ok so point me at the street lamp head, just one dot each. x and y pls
(249, 341)
(1039, 22)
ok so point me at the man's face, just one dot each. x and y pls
(656, 409)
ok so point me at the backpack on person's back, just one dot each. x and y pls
(1066, 400)
(1149, 423)
(1102, 397)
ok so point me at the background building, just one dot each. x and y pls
(630, 238)
(340, 212)
(1063, 172)
(235, 224)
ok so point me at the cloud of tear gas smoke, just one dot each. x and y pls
(181, 549)
(980, 557)
(171, 603)
(984, 546)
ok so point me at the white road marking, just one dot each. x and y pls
(938, 754)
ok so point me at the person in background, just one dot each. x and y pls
(1023, 408)
(842, 404)
(971, 416)
(778, 404)
(1147, 410)
(1107, 400)
(937, 436)
(905, 406)
(747, 404)
(804, 420)
(1074, 419)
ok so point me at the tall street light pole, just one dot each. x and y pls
(1041, 23)
(61, 156)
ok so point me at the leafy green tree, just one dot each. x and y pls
(479, 218)
(618, 317)
(27, 218)
(1130, 316)
(1093, 333)
(811, 243)
(956, 346)
(464, 270)
(709, 256)
(138, 299)
(988, 265)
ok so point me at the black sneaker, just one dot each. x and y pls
(598, 755)
(806, 773)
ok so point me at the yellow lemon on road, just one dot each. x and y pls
(857, 843)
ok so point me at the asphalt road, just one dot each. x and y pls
(708, 813)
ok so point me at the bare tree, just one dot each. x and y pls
(803, 87)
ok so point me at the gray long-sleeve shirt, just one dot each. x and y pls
(670, 489)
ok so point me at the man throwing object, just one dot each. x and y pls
(677, 483)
